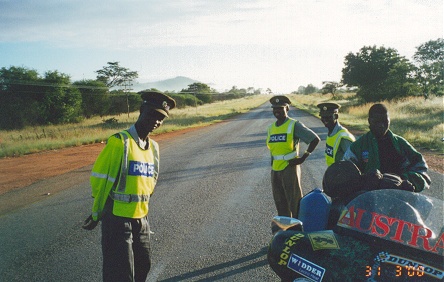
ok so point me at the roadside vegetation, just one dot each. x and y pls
(419, 120)
(34, 139)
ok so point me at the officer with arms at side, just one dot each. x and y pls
(338, 138)
(380, 151)
(122, 180)
(283, 143)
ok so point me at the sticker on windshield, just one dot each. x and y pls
(323, 240)
(403, 267)
(306, 268)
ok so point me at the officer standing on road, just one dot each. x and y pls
(338, 138)
(122, 180)
(283, 143)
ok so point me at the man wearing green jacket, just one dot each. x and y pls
(381, 149)
(122, 181)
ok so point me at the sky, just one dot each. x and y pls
(276, 44)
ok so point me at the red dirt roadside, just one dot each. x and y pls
(19, 172)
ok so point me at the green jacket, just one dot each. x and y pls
(365, 154)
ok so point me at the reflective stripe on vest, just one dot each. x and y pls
(124, 165)
(286, 157)
(332, 145)
(103, 176)
(129, 198)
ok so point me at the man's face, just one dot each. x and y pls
(379, 124)
(280, 113)
(329, 121)
(151, 119)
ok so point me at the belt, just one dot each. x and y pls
(285, 157)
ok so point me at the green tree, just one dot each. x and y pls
(123, 102)
(95, 97)
(310, 89)
(301, 89)
(380, 73)
(18, 91)
(114, 75)
(330, 87)
(201, 91)
(61, 102)
(429, 73)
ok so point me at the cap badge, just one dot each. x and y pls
(277, 100)
(324, 108)
(165, 105)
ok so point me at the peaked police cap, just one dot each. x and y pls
(327, 109)
(279, 101)
(158, 101)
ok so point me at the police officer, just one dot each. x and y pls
(122, 180)
(338, 138)
(283, 143)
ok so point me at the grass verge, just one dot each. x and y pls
(42, 138)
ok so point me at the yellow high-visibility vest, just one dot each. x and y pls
(332, 144)
(127, 174)
(281, 144)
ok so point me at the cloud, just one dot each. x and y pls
(138, 24)
(264, 43)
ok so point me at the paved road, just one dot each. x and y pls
(210, 213)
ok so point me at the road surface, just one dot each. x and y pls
(210, 212)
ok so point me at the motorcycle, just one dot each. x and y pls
(373, 235)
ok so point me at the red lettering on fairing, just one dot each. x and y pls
(425, 238)
(350, 219)
(358, 220)
(400, 229)
(439, 244)
(377, 222)
(381, 226)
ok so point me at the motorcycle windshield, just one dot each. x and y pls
(400, 217)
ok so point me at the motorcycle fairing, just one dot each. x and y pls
(328, 256)
(399, 217)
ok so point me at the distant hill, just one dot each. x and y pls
(172, 84)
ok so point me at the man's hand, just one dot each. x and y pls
(89, 223)
(297, 160)
(407, 186)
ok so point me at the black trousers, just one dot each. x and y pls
(125, 248)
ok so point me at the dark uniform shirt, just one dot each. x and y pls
(390, 160)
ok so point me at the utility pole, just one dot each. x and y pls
(194, 89)
(126, 91)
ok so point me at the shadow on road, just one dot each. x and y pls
(224, 270)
